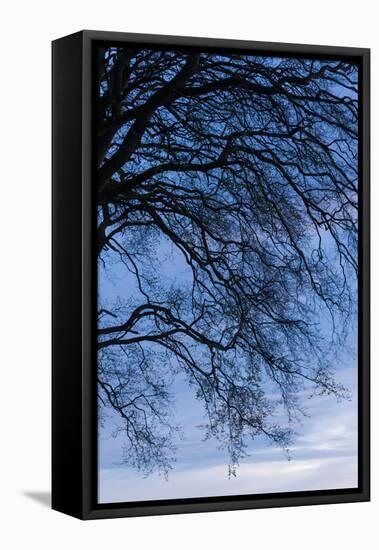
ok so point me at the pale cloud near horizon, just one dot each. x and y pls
(324, 456)
(258, 478)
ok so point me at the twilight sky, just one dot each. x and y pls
(323, 454)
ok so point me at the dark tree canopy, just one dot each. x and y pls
(240, 173)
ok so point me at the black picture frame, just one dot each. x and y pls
(74, 450)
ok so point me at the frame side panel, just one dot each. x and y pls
(67, 276)
(365, 398)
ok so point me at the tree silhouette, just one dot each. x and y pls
(227, 192)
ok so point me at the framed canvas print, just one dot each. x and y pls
(210, 274)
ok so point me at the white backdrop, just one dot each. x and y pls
(27, 29)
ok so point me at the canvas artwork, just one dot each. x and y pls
(227, 272)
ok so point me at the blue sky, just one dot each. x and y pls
(323, 454)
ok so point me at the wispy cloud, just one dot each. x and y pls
(261, 477)
(324, 456)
